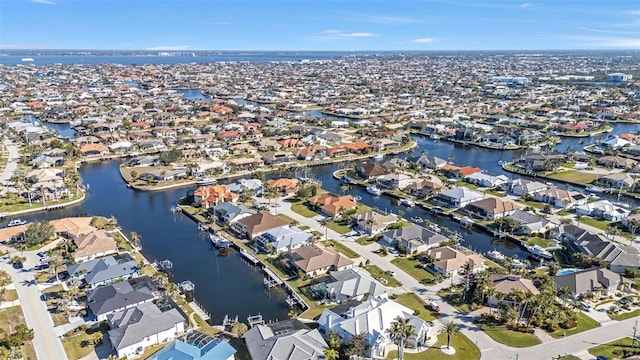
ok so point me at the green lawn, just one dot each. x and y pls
(494, 192)
(598, 224)
(508, 337)
(336, 226)
(78, 345)
(625, 315)
(9, 318)
(413, 267)
(364, 241)
(414, 302)
(574, 176)
(613, 349)
(19, 204)
(378, 273)
(532, 204)
(286, 218)
(11, 295)
(584, 323)
(564, 213)
(454, 296)
(342, 248)
(302, 209)
(540, 241)
(465, 350)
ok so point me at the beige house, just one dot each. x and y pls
(449, 261)
(492, 208)
(505, 284)
(316, 260)
(72, 227)
(256, 224)
(94, 245)
(373, 222)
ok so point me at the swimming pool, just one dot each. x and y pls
(566, 271)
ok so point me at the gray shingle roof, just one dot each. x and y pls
(117, 296)
(266, 342)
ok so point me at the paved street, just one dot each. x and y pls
(490, 349)
(46, 343)
(12, 161)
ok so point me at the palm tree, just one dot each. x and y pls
(400, 332)
(451, 329)
(135, 239)
(324, 222)
(331, 354)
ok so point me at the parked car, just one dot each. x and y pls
(18, 265)
(585, 306)
(391, 272)
(433, 306)
(393, 250)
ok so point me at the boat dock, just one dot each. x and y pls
(252, 259)
(271, 279)
(200, 311)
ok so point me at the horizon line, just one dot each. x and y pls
(346, 51)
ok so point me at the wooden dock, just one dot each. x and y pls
(200, 311)
(271, 278)
(252, 259)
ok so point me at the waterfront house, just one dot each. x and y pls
(283, 238)
(561, 198)
(240, 164)
(603, 209)
(530, 224)
(46, 161)
(253, 186)
(505, 284)
(458, 197)
(484, 180)
(541, 162)
(618, 181)
(373, 318)
(632, 223)
(426, 162)
(195, 345)
(93, 149)
(284, 185)
(492, 208)
(105, 270)
(93, 245)
(394, 181)
(209, 196)
(110, 299)
(277, 157)
(358, 147)
(458, 172)
(423, 189)
(137, 328)
(350, 284)
(315, 259)
(161, 175)
(46, 175)
(373, 222)
(147, 160)
(522, 187)
(449, 261)
(228, 213)
(285, 340)
(337, 151)
(413, 239)
(597, 280)
(254, 225)
(618, 162)
(369, 171)
(312, 152)
(332, 205)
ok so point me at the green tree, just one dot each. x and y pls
(171, 156)
(5, 279)
(451, 329)
(238, 329)
(331, 354)
(400, 331)
(96, 337)
(357, 346)
(38, 233)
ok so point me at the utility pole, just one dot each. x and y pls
(633, 339)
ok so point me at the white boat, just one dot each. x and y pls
(539, 251)
(16, 222)
(27, 59)
(495, 255)
(435, 228)
(408, 202)
(219, 241)
(594, 189)
(206, 181)
(417, 220)
(378, 157)
(374, 190)
(466, 222)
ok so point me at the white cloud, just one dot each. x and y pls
(46, 2)
(381, 19)
(422, 41)
(170, 47)
(525, 5)
(608, 31)
(24, 46)
(339, 34)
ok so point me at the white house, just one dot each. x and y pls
(603, 209)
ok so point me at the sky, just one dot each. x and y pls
(320, 25)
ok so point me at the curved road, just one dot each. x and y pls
(575, 344)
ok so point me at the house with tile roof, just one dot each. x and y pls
(561, 198)
(316, 260)
(332, 205)
(449, 261)
(72, 227)
(209, 196)
(93, 149)
(373, 222)
(255, 225)
(142, 326)
(284, 185)
(93, 245)
(505, 284)
(492, 208)
(285, 340)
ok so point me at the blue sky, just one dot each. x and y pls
(320, 24)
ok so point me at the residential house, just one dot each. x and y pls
(245, 163)
(285, 340)
(616, 162)
(284, 185)
(530, 224)
(351, 284)
(373, 222)
(423, 189)
(427, 162)
(394, 181)
(277, 157)
(484, 180)
(449, 261)
(458, 172)
(492, 208)
(312, 152)
(358, 147)
(542, 162)
(110, 299)
(72, 227)
(93, 149)
(210, 196)
(228, 213)
(102, 271)
(45, 161)
(458, 197)
(195, 345)
(413, 238)
(254, 225)
(374, 319)
(603, 209)
(371, 170)
(594, 280)
(522, 187)
(283, 238)
(632, 223)
(618, 181)
(253, 186)
(561, 198)
(505, 284)
(137, 328)
(93, 245)
(333, 205)
(315, 259)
